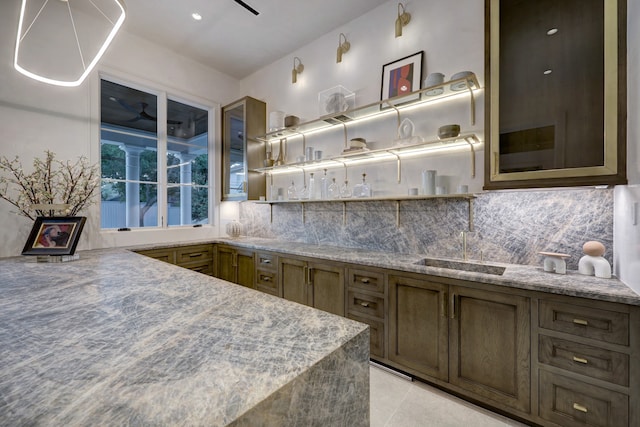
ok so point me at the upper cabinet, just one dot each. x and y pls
(556, 99)
(242, 121)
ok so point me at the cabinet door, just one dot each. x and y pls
(418, 326)
(489, 345)
(225, 264)
(242, 121)
(293, 276)
(245, 268)
(327, 285)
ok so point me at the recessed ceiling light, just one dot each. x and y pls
(552, 31)
(196, 16)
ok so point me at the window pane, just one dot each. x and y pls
(114, 207)
(187, 164)
(128, 157)
(188, 205)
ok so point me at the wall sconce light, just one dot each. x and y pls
(296, 70)
(343, 47)
(402, 20)
(60, 42)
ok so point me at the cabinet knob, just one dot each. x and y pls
(580, 360)
(580, 322)
(579, 407)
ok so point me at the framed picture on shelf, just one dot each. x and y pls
(54, 235)
(401, 78)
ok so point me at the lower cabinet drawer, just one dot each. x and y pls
(267, 261)
(194, 253)
(365, 304)
(584, 359)
(376, 334)
(588, 322)
(369, 280)
(573, 403)
(267, 281)
(166, 255)
(204, 267)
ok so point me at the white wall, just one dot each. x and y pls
(627, 198)
(36, 117)
(452, 40)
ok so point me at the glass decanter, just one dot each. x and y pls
(363, 189)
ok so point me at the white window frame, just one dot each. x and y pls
(163, 95)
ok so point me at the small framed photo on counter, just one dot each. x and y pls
(54, 235)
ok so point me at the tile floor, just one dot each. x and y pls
(396, 402)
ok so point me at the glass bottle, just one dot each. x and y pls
(363, 189)
(324, 186)
(345, 190)
(333, 191)
(292, 192)
(312, 187)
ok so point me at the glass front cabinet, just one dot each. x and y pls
(556, 106)
(242, 121)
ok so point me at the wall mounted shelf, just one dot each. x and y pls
(391, 153)
(469, 197)
(428, 95)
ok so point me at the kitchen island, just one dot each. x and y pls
(116, 338)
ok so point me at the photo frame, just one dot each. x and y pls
(402, 78)
(54, 235)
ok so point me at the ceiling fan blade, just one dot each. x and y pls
(147, 116)
(246, 6)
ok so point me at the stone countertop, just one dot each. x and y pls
(515, 276)
(116, 338)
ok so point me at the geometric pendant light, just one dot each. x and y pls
(60, 41)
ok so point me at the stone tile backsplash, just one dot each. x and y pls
(509, 227)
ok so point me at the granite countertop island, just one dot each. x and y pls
(116, 338)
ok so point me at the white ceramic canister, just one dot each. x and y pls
(428, 182)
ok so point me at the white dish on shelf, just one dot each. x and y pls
(458, 86)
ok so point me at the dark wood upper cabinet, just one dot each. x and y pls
(242, 121)
(556, 93)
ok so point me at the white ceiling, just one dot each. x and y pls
(231, 39)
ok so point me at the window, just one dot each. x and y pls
(149, 179)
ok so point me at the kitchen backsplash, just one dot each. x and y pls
(509, 227)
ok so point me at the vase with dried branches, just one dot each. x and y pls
(54, 188)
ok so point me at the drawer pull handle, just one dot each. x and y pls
(579, 407)
(364, 280)
(364, 304)
(580, 322)
(580, 360)
(266, 278)
(195, 255)
(265, 261)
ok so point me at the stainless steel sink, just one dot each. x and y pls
(462, 266)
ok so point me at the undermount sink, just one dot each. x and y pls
(462, 266)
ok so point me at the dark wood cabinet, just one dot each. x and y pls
(418, 326)
(553, 360)
(555, 105)
(194, 257)
(588, 363)
(236, 265)
(316, 284)
(267, 273)
(489, 345)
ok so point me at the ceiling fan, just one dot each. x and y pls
(142, 114)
